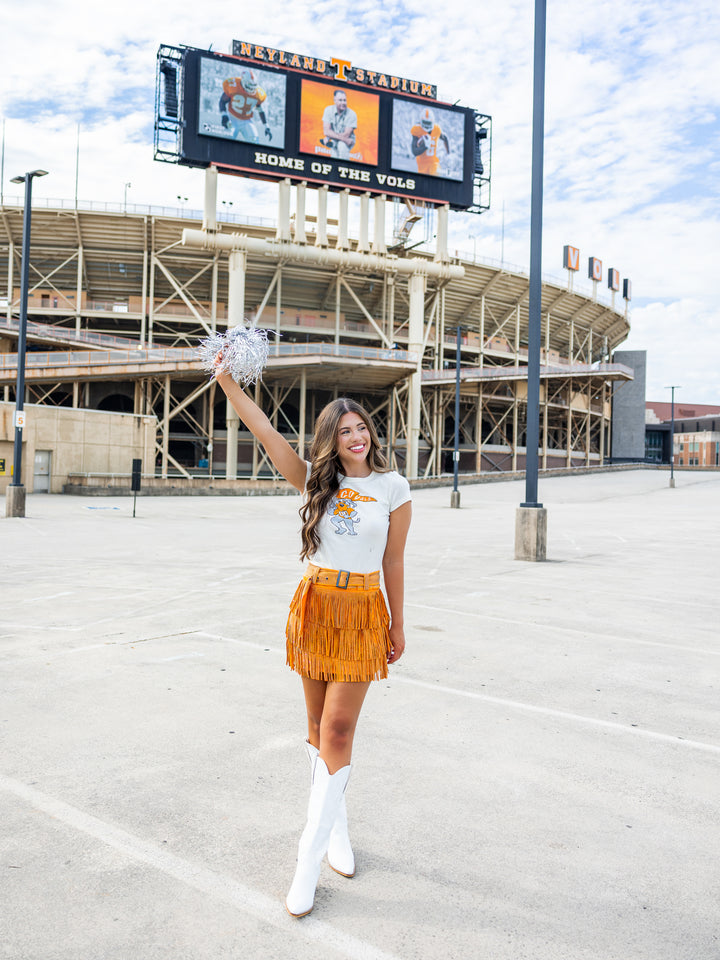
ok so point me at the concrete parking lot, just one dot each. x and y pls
(537, 779)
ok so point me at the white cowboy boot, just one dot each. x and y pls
(325, 797)
(340, 855)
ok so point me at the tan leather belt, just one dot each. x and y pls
(344, 579)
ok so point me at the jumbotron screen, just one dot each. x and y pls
(274, 114)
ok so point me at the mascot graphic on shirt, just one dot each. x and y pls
(343, 514)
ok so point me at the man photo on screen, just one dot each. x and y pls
(426, 139)
(339, 126)
(240, 103)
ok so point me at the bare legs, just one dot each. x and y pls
(333, 709)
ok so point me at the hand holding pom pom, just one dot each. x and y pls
(241, 352)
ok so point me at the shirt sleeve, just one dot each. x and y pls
(308, 468)
(399, 492)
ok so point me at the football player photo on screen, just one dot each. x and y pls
(428, 140)
(339, 123)
(242, 103)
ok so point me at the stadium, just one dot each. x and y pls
(355, 303)
(118, 302)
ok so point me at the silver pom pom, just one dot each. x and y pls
(241, 351)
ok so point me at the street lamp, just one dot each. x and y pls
(15, 496)
(127, 187)
(673, 388)
(531, 516)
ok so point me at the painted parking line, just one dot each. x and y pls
(220, 887)
(512, 704)
(556, 628)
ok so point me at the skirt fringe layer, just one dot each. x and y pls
(338, 634)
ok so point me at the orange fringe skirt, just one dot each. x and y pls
(338, 626)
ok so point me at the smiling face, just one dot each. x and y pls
(340, 102)
(353, 445)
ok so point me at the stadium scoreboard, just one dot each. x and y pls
(275, 114)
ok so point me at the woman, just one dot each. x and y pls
(356, 517)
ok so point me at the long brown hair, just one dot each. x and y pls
(323, 482)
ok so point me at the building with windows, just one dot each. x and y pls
(696, 436)
(119, 297)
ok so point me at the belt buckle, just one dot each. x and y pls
(343, 586)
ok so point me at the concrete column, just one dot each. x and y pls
(278, 310)
(342, 237)
(481, 354)
(283, 225)
(337, 309)
(531, 533)
(15, 501)
(379, 246)
(213, 295)
(321, 232)
(363, 242)
(237, 265)
(300, 236)
(416, 291)
(78, 289)
(441, 251)
(210, 208)
(301, 424)
(166, 427)
(568, 451)
(151, 304)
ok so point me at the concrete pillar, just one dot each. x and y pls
(531, 533)
(441, 252)
(301, 424)
(300, 236)
(342, 237)
(363, 241)
(166, 427)
(283, 225)
(237, 265)
(416, 291)
(210, 208)
(379, 246)
(15, 501)
(213, 295)
(78, 289)
(321, 232)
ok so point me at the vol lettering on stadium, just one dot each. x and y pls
(353, 271)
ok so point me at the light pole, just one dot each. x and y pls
(531, 516)
(127, 187)
(455, 495)
(15, 496)
(673, 388)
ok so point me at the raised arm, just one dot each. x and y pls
(284, 458)
(394, 576)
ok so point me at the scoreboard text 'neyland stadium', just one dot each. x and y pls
(274, 114)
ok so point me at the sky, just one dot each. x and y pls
(632, 139)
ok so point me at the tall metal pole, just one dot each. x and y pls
(672, 390)
(535, 293)
(531, 516)
(15, 506)
(22, 336)
(455, 497)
